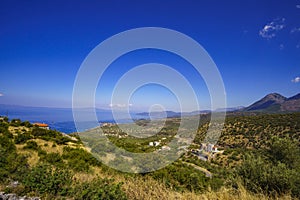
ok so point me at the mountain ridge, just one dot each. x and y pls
(275, 102)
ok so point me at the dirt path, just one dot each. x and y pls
(207, 173)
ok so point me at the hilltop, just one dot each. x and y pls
(275, 102)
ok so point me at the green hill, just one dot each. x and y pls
(260, 160)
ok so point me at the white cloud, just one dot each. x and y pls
(281, 46)
(1, 94)
(297, 6)
(269, 30)
(296, 80)
(120, 105)
(295, 30)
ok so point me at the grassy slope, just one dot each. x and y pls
(146, 187)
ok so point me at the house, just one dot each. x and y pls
(210, 147)
(41, 125)
(155, 143)
(215, 149)
(166, 148)
(106, 124)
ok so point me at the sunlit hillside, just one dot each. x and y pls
(259, 158)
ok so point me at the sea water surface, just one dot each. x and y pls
(60, 119)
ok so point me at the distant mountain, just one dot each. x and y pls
(275, 102)
(160, 114)
(292, 103)
(171, 114)
(230, 109)
(297, 96)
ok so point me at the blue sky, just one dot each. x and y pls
(255, 45)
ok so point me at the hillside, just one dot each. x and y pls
(255, 164)
(275, 102)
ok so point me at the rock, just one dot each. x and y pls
(2, 196)
(12, 196)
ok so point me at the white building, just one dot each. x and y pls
(210, 147)
(166, 148)
(156, 143)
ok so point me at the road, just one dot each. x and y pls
(207, 173)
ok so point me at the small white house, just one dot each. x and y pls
(166, 148)
(210, 147)
(156, 143)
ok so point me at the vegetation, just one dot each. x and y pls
(275, 173)
(261, 160)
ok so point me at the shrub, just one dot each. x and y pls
(52, 158)
(182, 177)
(286, 151)
(259, 175)
(44, 179)
(31, 145)
(22, 138)
(26, 124)
(15, 122)
(103, 189)
(79, 159)
(12, 165)
(38, 132)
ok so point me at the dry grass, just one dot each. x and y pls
(150, 189)
(14, 129)
(32, 156)
(240, 194)
(88, 177)
(145, 188)
(49, 148)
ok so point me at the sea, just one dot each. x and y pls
(61, 119)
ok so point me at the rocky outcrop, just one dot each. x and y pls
(12, 196)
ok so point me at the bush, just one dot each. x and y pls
(12, 165)
(15, 122)
(22, 138)
(79, 159)
(44, 180)
(98, 188)
(26, 124)
(52, 158)
(61, 140)
(181, 177)
(31, 145)
(259, 175)
(38, 132)
(286, 151)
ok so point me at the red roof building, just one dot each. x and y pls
(41, 125)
